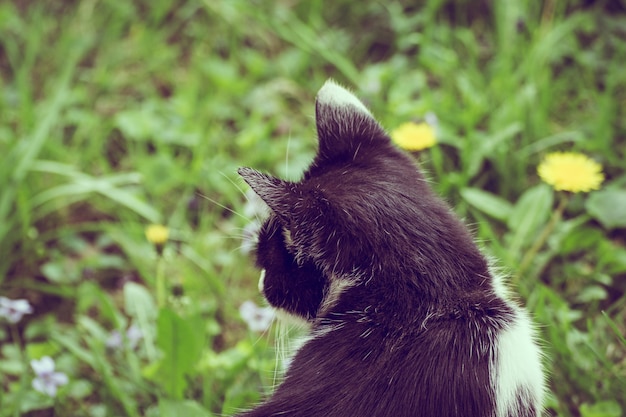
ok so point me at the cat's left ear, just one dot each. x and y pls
(343, 122)
(279, 195)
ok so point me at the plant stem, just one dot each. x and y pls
(15, 334)
(161, 291)
(530, 255)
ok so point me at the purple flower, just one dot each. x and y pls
(115, 340)
(47, 381)
(257, 318)
(14, 310)
(133, 336)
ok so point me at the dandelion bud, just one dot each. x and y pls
(157, 234)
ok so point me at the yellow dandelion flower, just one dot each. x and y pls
(157, 234)
(571, 171)
(414, 136)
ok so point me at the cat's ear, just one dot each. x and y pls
(279, 195)
(343, 122)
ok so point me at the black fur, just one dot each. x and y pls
(401, 302)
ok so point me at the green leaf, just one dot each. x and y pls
(181, 345)
(61, 271)
(41, 349)
(530, 212)
(229, 362)
(592, 293)
(186, 408)
(32, 400)
(488, 203)
(80, 389)
(601, 409)
(89, 295)
(615, 328)
(82, 185)
(139, 304)
(611, 257)
(581, 238)
(12, 362)
(93, 328)
(488, 144)
(608, 206)
(74, 346)
(532, 209)
(129, 200)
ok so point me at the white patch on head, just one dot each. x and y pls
(334, 95)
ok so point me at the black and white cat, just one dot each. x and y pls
(406, 318)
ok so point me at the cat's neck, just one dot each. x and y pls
(404, 303)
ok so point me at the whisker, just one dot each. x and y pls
(239, 248)
(245, 228)
(263, 334)
(287, 154)
(248, 195)
(233, 237)
(223, 206)
(280, 351)
(237, 186)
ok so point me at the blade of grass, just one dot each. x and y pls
(25, 153)
(615, 329)
(84, 184)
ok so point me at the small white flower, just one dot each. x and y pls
(47, 381)
(14, 310)
(432, 119)
(133, 336)
(114, 340)
(257, 318)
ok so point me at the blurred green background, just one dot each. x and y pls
(117, 115)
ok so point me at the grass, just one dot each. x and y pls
(117, 115)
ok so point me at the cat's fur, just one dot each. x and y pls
(406, 317)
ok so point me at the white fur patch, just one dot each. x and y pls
(262, 281)
(332, 94)
(518, 366)
(337, 287)
(290, 319)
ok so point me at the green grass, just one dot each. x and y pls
(115, 115)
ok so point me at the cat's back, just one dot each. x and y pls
(423, 360)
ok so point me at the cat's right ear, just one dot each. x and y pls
(343, 122)
(279, 195)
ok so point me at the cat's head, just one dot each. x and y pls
(362, 213)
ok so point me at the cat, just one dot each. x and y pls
(406, 317)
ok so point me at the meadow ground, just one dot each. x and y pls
(115, 116)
